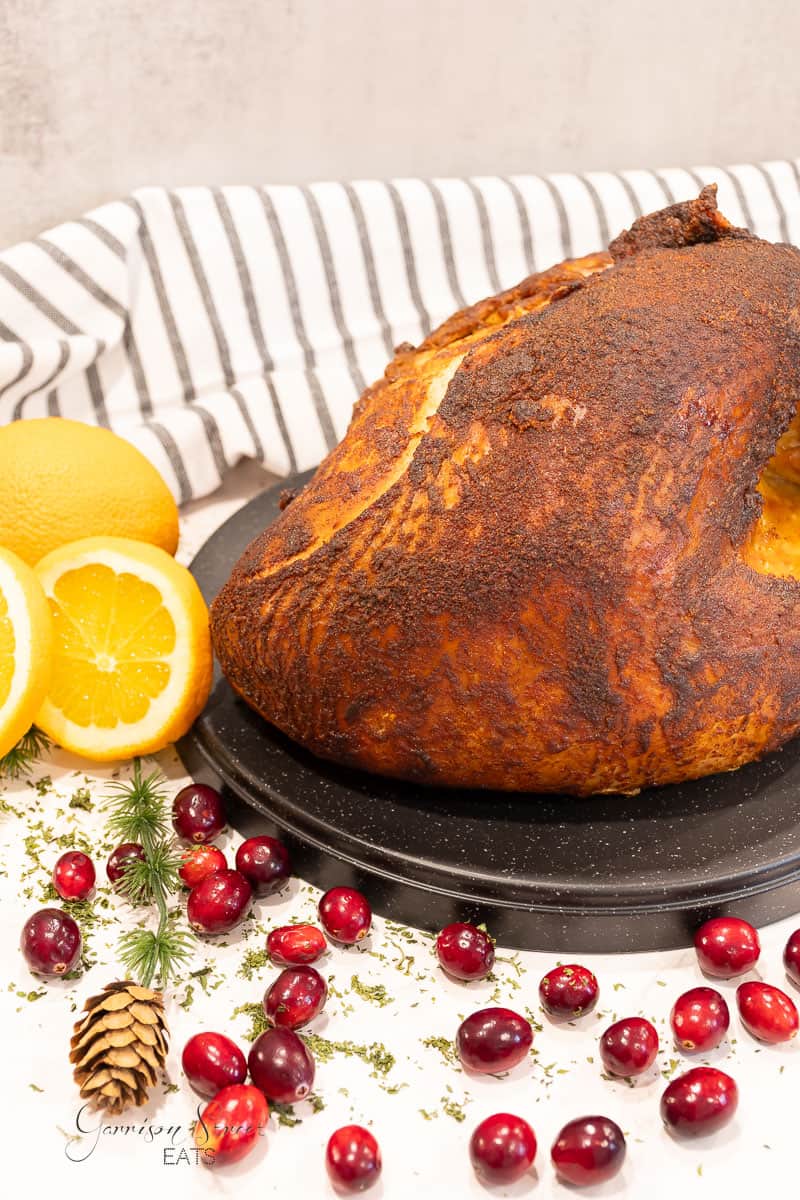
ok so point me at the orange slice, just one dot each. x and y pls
(26, 636)
(132, 653)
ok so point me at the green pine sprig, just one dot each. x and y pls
(149, 955)
(138, 808)
(22, 758)
(157, 872)
(138, 812)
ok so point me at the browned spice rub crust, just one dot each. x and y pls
(525, 566)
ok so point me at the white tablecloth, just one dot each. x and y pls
(413, 1108)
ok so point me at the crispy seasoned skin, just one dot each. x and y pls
(548, 556)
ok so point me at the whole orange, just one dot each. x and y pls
(61, 480)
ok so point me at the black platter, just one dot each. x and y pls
(545, 872)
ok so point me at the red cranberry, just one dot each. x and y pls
(281, 1065)
(502, 1148)
(211, 1062)
(699, 1019)
(629, 1047)
(51, 942)
(73, 875)
(726, 946)
(464, 951)
(568, 991)
(767, 1012)
(345, 914)
(218, 902)
(293, 944)
(118, 861)
(791, 957)
(493, 1040)
(588, 1150)
(296, 997)
(353, 1159)
(699, 1102)
(230, 1124)
(264, 862)
(199, 862)
(198, 814)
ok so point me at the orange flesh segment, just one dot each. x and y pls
(112, 635)
(7, 648)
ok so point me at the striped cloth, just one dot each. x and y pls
(210, 324)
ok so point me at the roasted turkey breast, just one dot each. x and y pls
(559, 547)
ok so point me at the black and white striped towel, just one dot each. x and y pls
(207, 325)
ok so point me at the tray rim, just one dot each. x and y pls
(699, 899)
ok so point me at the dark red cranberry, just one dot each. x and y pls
(198, 814)
(51, 942)
(264, 862)
(296, 997)
(464, 951)
(211, 1062)
(726, 946)
(502, 1149)
(199, 862)
(629, 1047)
(218, 902)
(588, 1150)
(767, 1012)
(699, 1102)
(230, 1124)
(293, 944)
(281, 1065)
(353, 1159)
(791, 957)
(118, 861)
(73, 875)
(699, 1020)
(568, 991)
(345, 914)
(493, 1040)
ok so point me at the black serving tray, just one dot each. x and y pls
(609, 873)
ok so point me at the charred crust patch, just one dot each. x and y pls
(527, 413)
(683, 224)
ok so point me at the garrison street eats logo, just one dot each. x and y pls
(175, 1143)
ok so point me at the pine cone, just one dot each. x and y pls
(119, 1045)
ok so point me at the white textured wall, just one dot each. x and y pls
(100, 96)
